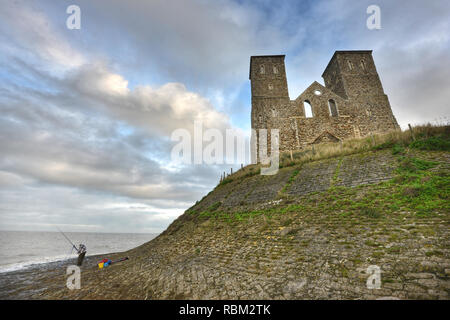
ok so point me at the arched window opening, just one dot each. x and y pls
(262, 69)
(333, 108)
(350, 65)
(308, 109)
(363, 65)
(275, 70)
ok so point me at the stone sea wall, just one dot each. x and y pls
(353, 170)
(311, 242)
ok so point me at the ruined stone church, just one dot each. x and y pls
(352, 103)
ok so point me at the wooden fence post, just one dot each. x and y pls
(412, 132)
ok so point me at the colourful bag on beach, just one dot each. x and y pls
(104, 263)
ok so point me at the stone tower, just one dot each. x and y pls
(351, 104)
(269, 90)
(268, 86)
(353, 76)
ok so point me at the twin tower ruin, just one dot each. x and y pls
(352, 103)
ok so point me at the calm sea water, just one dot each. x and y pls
(22, 249)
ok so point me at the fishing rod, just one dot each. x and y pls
(81, 251)
(73, 246)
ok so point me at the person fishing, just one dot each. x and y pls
(81, 250)
(81, 253)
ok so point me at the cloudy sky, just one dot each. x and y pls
(86, 115)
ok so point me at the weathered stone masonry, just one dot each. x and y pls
(352, 103)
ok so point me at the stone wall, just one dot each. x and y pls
(352, 84)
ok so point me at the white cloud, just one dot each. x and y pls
(31, 35)
(158, 110)
(69, 141)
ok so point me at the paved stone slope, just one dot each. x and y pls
(311, 241)
(357, 170)
(353, 170)
(269, 188)
(314, 177)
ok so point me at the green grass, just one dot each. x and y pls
(420, 190)
(398, 149)
(214, 207)
(291, 179)
(292, 232)
(437, 143)
(385, 145)
(336, 173)
(434, 253)
(226, 181)
(394, 250)
(370, 212)
(410, 164)
(371, 243)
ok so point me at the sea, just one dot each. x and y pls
(25, 249)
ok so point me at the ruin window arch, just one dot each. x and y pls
(368, 110)
(274, 112)
(275, 70)
(262, 69)
(270, 86)
(308, 109)
(333, 108)
(363, 65)
(350, 65)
